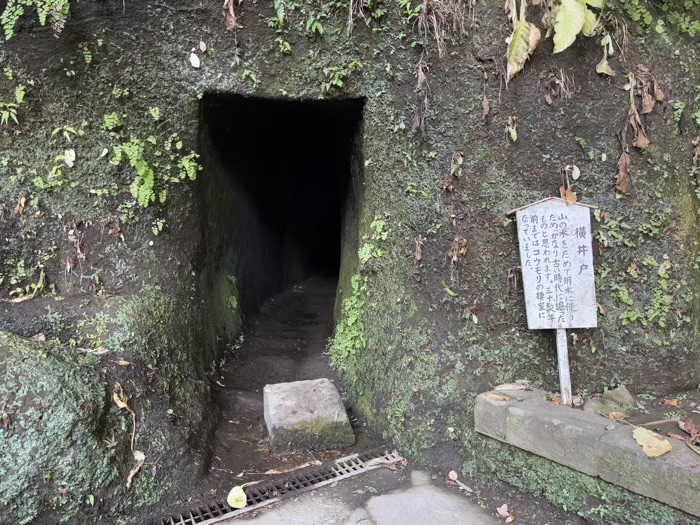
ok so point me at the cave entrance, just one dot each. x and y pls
(282, 183)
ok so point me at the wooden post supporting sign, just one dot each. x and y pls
(556, 257)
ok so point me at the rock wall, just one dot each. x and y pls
(432, 312)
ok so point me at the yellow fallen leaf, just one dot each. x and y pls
(236, 498)
(652, 444)
(510, 386)
(122, 362)
(452, 475)
(119, 397)
(510, 519)
(497, 397)
(617, 416)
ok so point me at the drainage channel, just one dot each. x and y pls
(271, 491)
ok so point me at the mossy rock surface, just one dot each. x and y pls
(55, 406)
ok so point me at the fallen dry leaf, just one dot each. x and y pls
(119, 396)
(624, 178)
(511, 518)
(497, 397)
(688, 426)
(122, 362)
(510, 386)
(39, 337)
(617, 416)
(569, 195)
(648, 102)
(69, 155)
(486, 107)
(452, 475)
(652, 444)
(229, 15)
(21, 203)
(202, 46)
(194, 60)
(658, 94)
(556, 400)
(237, 499)
(672, 402)
(503, 511)
(140, 457)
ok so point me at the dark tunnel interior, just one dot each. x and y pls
(278, 187)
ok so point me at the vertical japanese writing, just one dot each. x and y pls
(555, 248)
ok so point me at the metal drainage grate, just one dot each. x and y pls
(271, 491)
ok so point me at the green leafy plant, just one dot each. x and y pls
(336, 76)
(8, 110)
(249, 75)
(156, 168)
(313, 24)
(349, 337)
(678, 109)
(565, 19)
(53, 11)
(112, 122)
(283, 46)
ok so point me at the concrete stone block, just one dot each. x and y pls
(602, 407)
(621, 396)
(591, 444)
(306, 415)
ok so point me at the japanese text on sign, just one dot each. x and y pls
(556, 257)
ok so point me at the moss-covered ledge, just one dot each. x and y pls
(591, 445)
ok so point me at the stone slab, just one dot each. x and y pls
(426, 505)
(306, 415)
(590, 444)
(379, 497)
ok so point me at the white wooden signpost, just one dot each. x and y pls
(556, 256)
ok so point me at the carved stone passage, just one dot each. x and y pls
(556, 256)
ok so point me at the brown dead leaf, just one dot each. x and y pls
(658, 94)
(21, 202)
(119, 397)
(140, 457)
(570, 196)
(41, 337)
(511, 518)
(548, 100)
(486, 107)
(647, 103)
(452, 475)
(672, 402)
(497, 397)
(556, 400)
(202, 46)
(688, 426)
(510, 386)
(230, 15)
(6, 420)
(456, 164)
(122, 362)
(652, 444)
(617, 416)
(602, 310)
(503, 511)
(624, 178)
